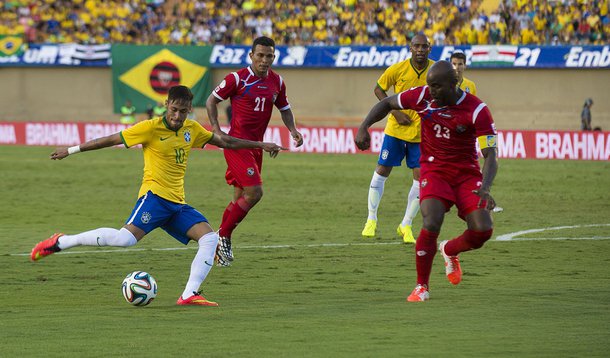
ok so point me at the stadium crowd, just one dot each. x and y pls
(306, 22)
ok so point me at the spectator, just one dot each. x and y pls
(585, 115)
(439, 38)
(128, 113)
(149, 111)
(159, 110)
(300, 22)
(495, 34)
(583, 33)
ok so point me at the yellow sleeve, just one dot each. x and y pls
(388, 78)
(202, 135)
(140, 133)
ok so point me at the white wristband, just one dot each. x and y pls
(73, 150)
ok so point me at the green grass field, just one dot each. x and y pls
(304, 282)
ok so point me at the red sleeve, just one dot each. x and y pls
(411, 98)
(483, 122)
(281, 102)
(227, 87)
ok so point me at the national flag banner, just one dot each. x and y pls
(144, 74)
(11, 45)
(493, 55)
(75, 54)
(91, 52)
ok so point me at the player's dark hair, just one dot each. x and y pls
(180, 94)
(263, 41)
(459, 56)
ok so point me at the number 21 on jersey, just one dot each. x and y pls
(260, 104)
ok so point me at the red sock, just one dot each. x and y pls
(238, 213)
(469, 240)
(227, 212)
(425, 249)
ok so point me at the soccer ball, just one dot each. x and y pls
(139, 288)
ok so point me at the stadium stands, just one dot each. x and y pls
(308, 22)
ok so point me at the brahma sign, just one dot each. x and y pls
(517, 144)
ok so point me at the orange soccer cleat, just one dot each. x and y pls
(46, 247)
(419, 294)
(452, 265)
(196, 300)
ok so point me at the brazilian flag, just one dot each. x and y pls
(11, 45)
(144, 74)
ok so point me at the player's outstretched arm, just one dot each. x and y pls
(490, 168)
(226, 141)
(377, 113)
(97, 143)
(288, 119)
(211, 107)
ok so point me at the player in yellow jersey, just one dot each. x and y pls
(166, 143)
(458, 60)
(401, 136)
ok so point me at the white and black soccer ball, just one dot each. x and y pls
(139, 288)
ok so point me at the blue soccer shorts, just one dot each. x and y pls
(152, 211)
(394, 150)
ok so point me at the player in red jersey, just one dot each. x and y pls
(253, 91)
(450, 174)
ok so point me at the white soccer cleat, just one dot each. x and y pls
(452, 265)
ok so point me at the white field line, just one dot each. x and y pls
(513, 235)
(506, 237)
(558, 238)
(249, 247)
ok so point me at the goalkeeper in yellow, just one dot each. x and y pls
(401, 136)
(166, 143)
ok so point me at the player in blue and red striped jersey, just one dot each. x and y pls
(451, 121)
(253, 92)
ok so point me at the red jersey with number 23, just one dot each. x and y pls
(449, 133)
(252, 101)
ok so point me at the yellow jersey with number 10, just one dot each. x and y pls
(165, 154)
(402, 76)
